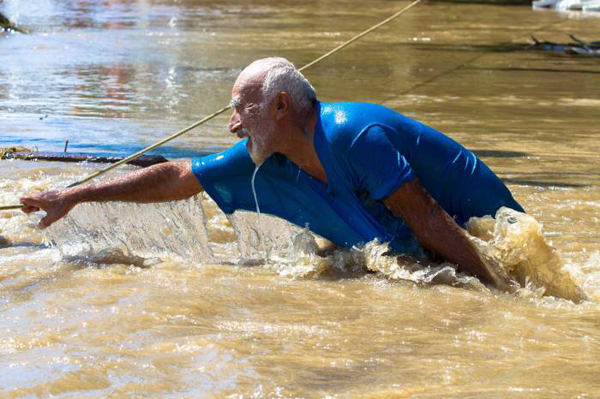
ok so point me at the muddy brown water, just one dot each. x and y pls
(174, 300)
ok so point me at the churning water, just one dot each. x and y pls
(176, 299)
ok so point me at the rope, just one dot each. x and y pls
(10, 207)
(355, 38)
(219, 112)
(147, 149)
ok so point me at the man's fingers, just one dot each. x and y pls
(31, 202)
(49, 201)
(30, 209)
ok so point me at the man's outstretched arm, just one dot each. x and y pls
(167, 181)
(439, 233)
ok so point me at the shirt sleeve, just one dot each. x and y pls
(379, 167)
(226, 177)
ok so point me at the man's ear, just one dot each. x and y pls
(283, 103)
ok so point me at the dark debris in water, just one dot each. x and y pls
(488, 2)
(536, 70)
(26, 154)
(576, 47)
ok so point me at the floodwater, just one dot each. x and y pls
(177, 300)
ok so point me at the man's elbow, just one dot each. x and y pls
(184, 182)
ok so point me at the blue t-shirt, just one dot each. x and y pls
(368, 151)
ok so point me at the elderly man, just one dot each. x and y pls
(350, 172)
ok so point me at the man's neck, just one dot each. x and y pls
(300, 148)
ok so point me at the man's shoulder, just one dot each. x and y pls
(229, 161)
(343, 122)
(348, 112)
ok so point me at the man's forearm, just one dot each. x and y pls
(163, 182)
(439, 233)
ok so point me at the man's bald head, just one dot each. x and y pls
(275, 75)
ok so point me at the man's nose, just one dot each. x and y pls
(234, 122)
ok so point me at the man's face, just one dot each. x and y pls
(251, 119)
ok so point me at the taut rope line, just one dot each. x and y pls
(355, 38)
(219, 112)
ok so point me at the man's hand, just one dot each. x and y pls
(169, 181)
(56, 204)
(439, 233)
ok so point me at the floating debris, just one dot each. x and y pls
(27, 154)
(6, 152)
(578, 47)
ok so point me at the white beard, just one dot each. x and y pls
(261, 139)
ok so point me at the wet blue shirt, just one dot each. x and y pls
(368, 151)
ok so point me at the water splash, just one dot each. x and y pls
(514, 240)
(374, 257)
(257, 234)
(174, 228)
(298, 253)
